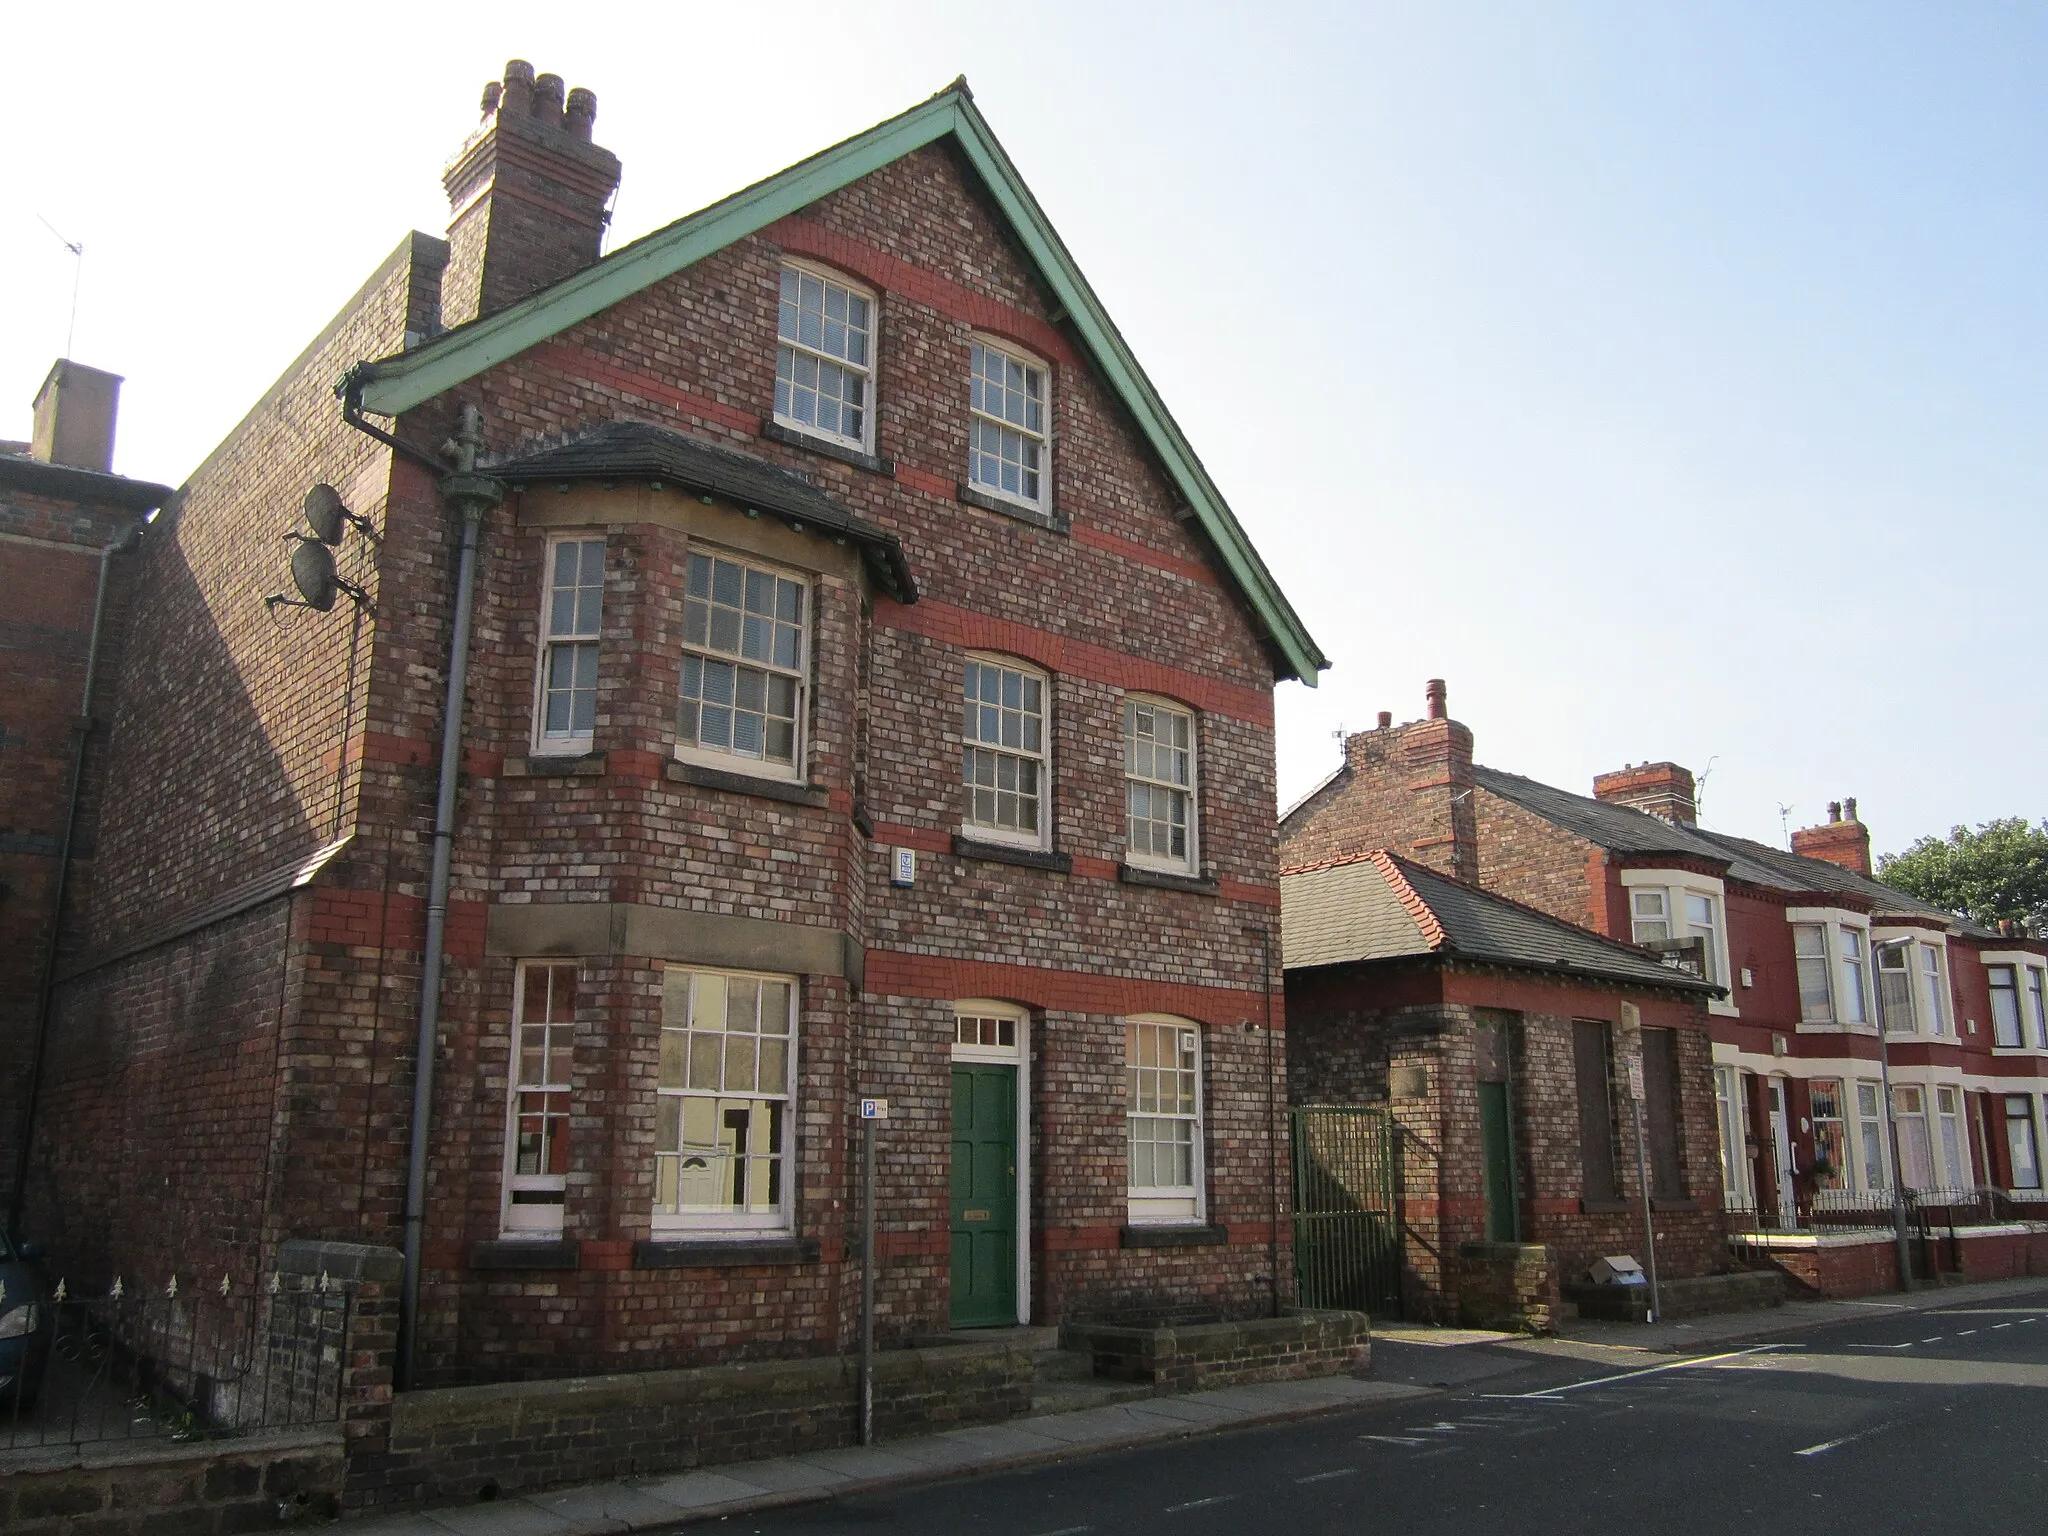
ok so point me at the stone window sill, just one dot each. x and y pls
(543, 766)
(1605, 1207)
(526, 1253)
(1166, 880)
(1682, 1203)
(723, 1253)
(775, 431)
(787, 791)
(1146, 1236)
(1002, 853)
(1053, 520)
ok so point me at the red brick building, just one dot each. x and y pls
(1500, 1039)
(867, 694)
(1808, 946)
(67, 523)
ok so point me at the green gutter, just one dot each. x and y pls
(394, 385)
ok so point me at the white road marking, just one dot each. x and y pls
(1324, 1477)
(1551, 1393)
(1935, 1340)
(1214, 1498)
(1407, 1440)
(2001, 1325)
(1966, 1333)
(1829, 1445)
(1068, 1530)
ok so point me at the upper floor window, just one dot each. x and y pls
(567, 708)
(723, 1131)
(1934, 990)
(1660, 913)
(2005, 1005)
(1007, 446)
(824, 369)
(1163, 1068)
(743, 663)
(1895, 986)
(1004, 758)
(537, 1142)
(1651, 916)
(2037, 1004)
(1703, 922)
(1159, 784)
(1855, 1006)
(1810, 955)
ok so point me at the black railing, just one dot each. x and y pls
(1870, 1210)
(179, 1360)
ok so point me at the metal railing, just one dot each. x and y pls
(1347, 1229)
(179, 1360)
(1870, 1210)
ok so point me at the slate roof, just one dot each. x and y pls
(638, 450)
(1626, 830)
(1377, 906)
(67, 480)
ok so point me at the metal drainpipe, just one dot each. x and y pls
(473, 495)
(81, 738)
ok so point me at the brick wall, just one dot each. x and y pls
(1405, 788)
(1543, 866)
(202, 1489)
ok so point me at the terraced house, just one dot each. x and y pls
(858, 689)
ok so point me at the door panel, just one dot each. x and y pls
(1497, 1151)
(984, 1207)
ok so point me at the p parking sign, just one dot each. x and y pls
(874, 1109)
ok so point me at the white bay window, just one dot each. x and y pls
(724, 1132)
(743, 666)
(565, 711)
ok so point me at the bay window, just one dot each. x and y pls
(743, 666)
(537, 1137)
(2020, 1142)
(1810, 956)
(2005, 1005)
(565, 710)
(724, 1131)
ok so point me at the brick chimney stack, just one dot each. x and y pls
(74, 421)
(527, 195)
(1842, 839)
(1662, 789)
(1404, 788)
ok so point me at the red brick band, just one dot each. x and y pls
(892, 973)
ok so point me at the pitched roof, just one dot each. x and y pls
(391, 385)
(1377, 906)
(632, 450)
(1627, 830)
(66, 480)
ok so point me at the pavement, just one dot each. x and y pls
(1409, 1363)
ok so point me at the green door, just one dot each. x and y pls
(984, 1196)
(1497, 1149)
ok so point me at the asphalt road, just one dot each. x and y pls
(1924, 1422)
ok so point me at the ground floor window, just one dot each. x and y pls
(1955, 1158)
(537, 1140)
(1830, 1137)
(724, 1134)
(2020, 1141)
(1916, 1149)
(1592, 1057)
(1661, 1114)
(1870, 1137)
(1730, 1115)
(1163, 1079)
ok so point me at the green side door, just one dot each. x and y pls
(984, 1221)
(1497, 1150)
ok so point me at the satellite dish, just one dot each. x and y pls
(325, 513)
(314, 575)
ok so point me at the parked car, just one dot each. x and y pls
(25, 1325)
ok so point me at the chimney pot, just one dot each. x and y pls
(1849, 809)
(493, 90)
(517, 98)
(581, 112)
(1842, 841)
(1386, 719)
(547, 99)
(74, 417)
(1834, 810)
(1436, 693)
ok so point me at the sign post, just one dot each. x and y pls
(1635, 1095)
(872, 1111)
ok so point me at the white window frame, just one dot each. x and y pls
(1904, 1117)
(993, 832)
(539, 1217)
(2034, 1004)
(1932, 976)
(2031, 1119)
(1167, 1204)
(1191, 863)
(1844, 1179)
(1649, 913)
(1731, 1114)
(1903, 966)
(1867, 1103)
(725, 758)
(575, 743)
(1844, 967)
(721, 1223)
(977, 415)
(1824, 1011)
(1951, 1129)
(2016, 963)
(1853, 964)
(1016, 1054)
(864, 440)
(1677, 884)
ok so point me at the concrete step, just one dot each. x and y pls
(1073, 1396)
(1062, 1365)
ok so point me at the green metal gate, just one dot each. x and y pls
(1347, 1228)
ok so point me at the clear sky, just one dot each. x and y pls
(1669, 379)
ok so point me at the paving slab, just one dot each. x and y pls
(696, 1490)
(606, 1506)
(397, 1525)
(786, 1474)
(1001, 1440)
(501, 1517)
(862, 1461)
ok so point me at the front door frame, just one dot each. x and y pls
(1018, 1056)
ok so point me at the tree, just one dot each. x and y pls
(1997, 873)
